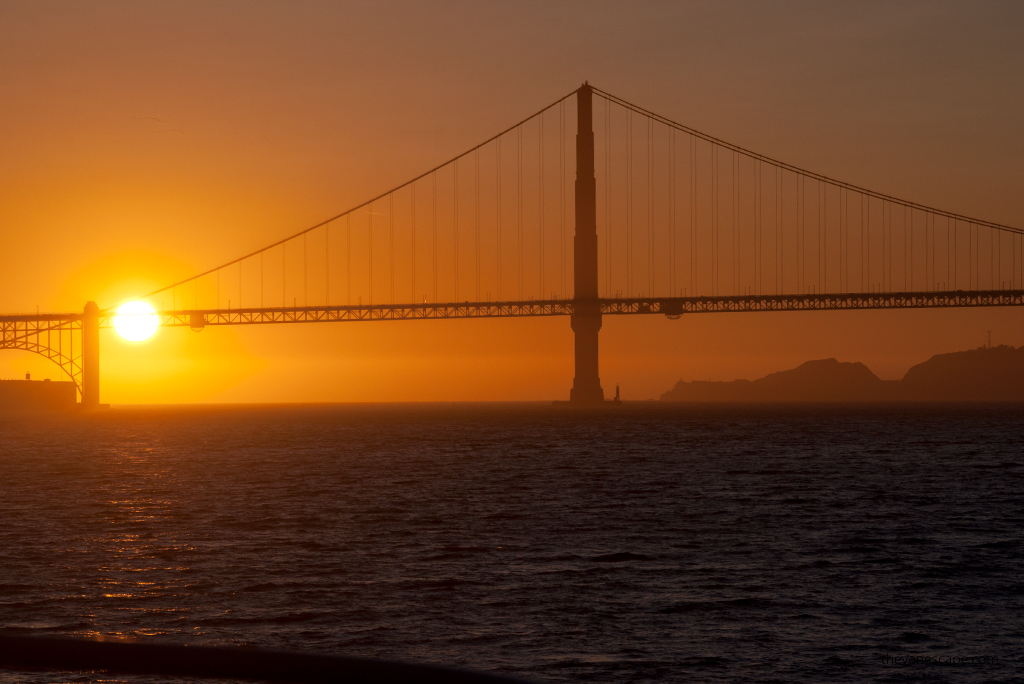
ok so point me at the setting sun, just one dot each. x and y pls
(136, 321)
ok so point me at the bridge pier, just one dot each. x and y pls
(91, 356)
(586, 318)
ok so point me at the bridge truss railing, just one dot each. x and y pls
(673, 307)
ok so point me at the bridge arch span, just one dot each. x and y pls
(51, 336)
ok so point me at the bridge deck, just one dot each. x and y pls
(19, 325)
(669, 306)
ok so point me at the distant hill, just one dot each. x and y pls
(984, 374)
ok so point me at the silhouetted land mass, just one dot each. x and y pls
(983, 374)
(36, 394)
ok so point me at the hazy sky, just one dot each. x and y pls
(141, 142)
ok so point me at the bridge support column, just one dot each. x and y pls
(91, 356)
(586, 318)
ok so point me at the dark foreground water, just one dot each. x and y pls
(649, 543)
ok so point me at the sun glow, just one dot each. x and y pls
(136, 321)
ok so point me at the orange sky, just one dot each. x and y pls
(142, 142)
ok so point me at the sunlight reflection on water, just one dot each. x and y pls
(646, 544)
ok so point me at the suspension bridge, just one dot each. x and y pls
(653, 217)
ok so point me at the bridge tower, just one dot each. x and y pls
(91, 356)
(586, 318)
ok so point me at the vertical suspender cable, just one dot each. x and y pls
(412, 243)
(561, 179)
(844, 245)
(693, 215)
(650, 207)
(844, 240)
(991, 259)
(714, 219)
(927, 251)
(887, 247)
(455, 223)
(607, 196)
(882, 286)
(998, 235)
(824, 238)
(540, 199)
(758, 201)
(801, 246)
(497, 216)
(977, 256)
(865, 221)
(844, 237)
(820, 247)
(629, 203)
(348, 260)
(1013, 261)
(780, 245)
(975, 247)
(519, 203)
(476, 214)
(905, 252)
(892, 283)
(369, 241)
(849, 230)
(949, 256)
(736, 223)
(433, 228)
(391, 243)
(672, 212)
(929, 248)
(955, 274)
(912, 248)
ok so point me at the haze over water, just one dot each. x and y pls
(651, 543)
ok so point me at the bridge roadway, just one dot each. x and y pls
(669, 306)
(53, 334)
(15, 327)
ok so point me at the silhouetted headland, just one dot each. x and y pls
(983, 374)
